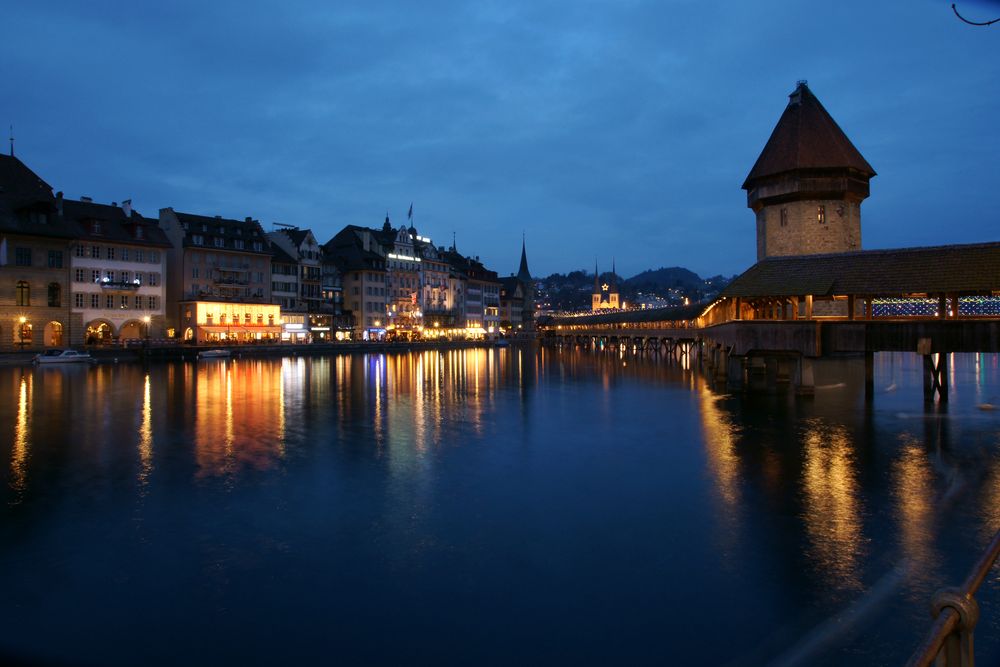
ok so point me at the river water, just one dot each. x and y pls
(487, 506)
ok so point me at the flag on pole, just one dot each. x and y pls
(410, 214)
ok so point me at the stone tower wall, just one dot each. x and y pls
(799, 231)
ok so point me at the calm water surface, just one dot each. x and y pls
(486, 507)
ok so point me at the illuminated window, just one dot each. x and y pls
(821, 215)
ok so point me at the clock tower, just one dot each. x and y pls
(807, 186)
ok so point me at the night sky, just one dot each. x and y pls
(618, 128)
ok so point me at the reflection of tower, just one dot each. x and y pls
(605, 295)
(807, 186)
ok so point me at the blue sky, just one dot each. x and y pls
(620, 128)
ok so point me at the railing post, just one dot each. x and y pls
(958, 646)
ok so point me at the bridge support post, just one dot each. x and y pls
(936, 377)
(869, 376)
(805, 384)
(735, 371)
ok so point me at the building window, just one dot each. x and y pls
(138, 303)
(111, 276)
(124, 301)
(22, 256)
(109, 302)
(124, 254)
(138, 256)
(197, 239)
(125, 275)
(111, 253)
(238, 244)
(220, 242)
(154, 256)
(23, 293)
(152, 303)
(821, 215)
(55, 295)
(95, 276)
(194, 272)
(95, 300)
(154, 279)
(80, 276)
(78, 297)
(81, 251)
(95, 251)
(784, 217)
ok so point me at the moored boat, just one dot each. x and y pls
(214, 354)
(63, 357)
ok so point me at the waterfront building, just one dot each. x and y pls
(807, 185)
(354, 253)
(403, 266)
(219, 279)
(34, 262)
(478, 290)
(605, 295)
(436, 297)
(511, 304)
(117, 272)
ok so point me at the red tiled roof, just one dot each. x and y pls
(806, 137)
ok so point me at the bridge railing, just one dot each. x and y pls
(949, 641)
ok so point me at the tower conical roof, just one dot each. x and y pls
(522, 272)
(806, 137)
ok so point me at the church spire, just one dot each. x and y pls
(522, 273)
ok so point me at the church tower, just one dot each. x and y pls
(808, 184)
(605, 295)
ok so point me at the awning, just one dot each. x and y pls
(234, 329)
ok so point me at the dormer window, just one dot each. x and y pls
(138, 232)
(95, 227)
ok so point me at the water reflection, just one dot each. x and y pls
(239, 416)
(913, 488)
(720, 438)
(146, 435)
(19, 454)
(832, 504)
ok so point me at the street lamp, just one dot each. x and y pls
(20, 332)
(145, 321)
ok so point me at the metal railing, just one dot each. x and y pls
(949, 641)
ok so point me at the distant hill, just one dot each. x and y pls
(655, 280)
(571, 291)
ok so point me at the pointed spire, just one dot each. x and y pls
(597, 278)
(522, 273)
(614, 276)
(387, 226)
(12, 140)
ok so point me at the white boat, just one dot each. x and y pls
(214, 354)
(63, 357)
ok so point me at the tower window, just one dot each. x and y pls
(784, 217)
(821, 215)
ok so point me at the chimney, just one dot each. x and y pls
(127, 207)
(86, 199)
(59, 199)
(115, 204)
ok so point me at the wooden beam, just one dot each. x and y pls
(809, 306)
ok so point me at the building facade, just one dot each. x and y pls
(219, 280)
(117, 272)
(35, 243)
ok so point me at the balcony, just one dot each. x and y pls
(119, 285)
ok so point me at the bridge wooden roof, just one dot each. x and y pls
(670, 314)
(961, 269)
